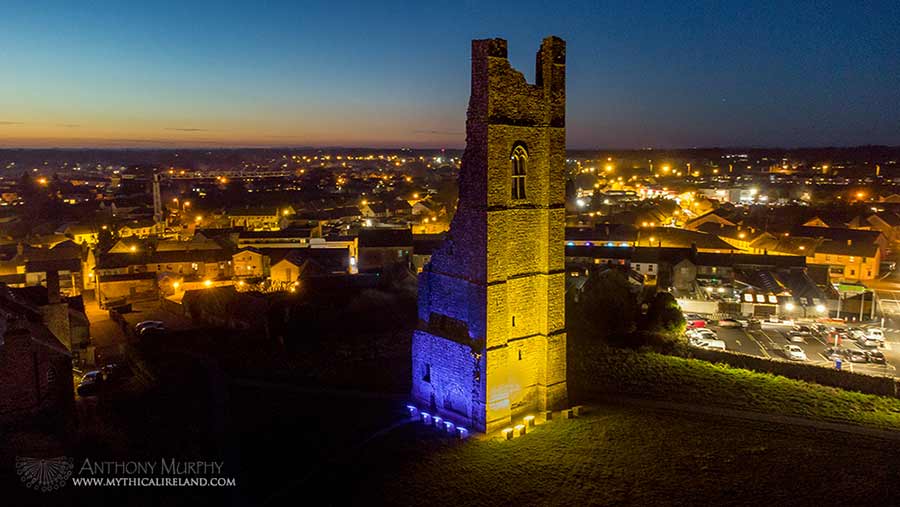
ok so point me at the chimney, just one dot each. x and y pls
(53, 287)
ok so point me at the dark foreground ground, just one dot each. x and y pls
(295, 447)
(619, 455)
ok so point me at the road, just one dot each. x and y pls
(769, 342)
(108, 336)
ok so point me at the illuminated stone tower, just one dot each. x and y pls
(491, 344)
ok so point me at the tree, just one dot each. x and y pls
(664, 317)
(605, 309)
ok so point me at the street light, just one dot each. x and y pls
(789, 307)
(820, 308)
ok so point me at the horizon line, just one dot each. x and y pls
(428, 148)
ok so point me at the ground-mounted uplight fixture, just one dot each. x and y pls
(529, 421)
(508, 433)
(520, 430)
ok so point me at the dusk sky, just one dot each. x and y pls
(391, 74)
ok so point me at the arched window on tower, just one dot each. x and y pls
(518, 159)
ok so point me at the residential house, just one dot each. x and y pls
(81, 234)
(28, 266)
(285, 238)
(718, 215)
(139, 228)
(259, 219)
(851, 254)
(888, 223)
(664, 237)
(737, 236)
(373, 209)
(305, 262)
(423, 246)
(250, 262)
(35, 367)
(64, 316)
(382, 248)
(398, 208)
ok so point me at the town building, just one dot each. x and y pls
(382, 248)
(259, 219)
(35, 366)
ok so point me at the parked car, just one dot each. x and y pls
(151, 330)
(833, 353)
(705, 333)
(876, 356)
(729, 323)
(874, 333)
(90, 383)
(794, 353)
(866, 344)
(857, 356)
(709, 344)
(694, 321)
(115, 371)
(794, 336)
(146, 324)
(856, 333)
(803, 330)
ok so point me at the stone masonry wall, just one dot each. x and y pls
(499, 276)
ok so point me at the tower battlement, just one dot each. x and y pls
(491, 343)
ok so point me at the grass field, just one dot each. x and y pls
(289, 444)
(618, 455)
(652, 375)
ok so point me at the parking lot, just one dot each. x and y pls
(769, 342)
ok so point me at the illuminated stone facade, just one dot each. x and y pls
(491, 345)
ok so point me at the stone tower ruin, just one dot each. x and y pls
(491, 343)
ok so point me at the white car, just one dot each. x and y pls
(705, 333)
(856, 333)
(874, 333)
(794, 353)
(710, 344)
